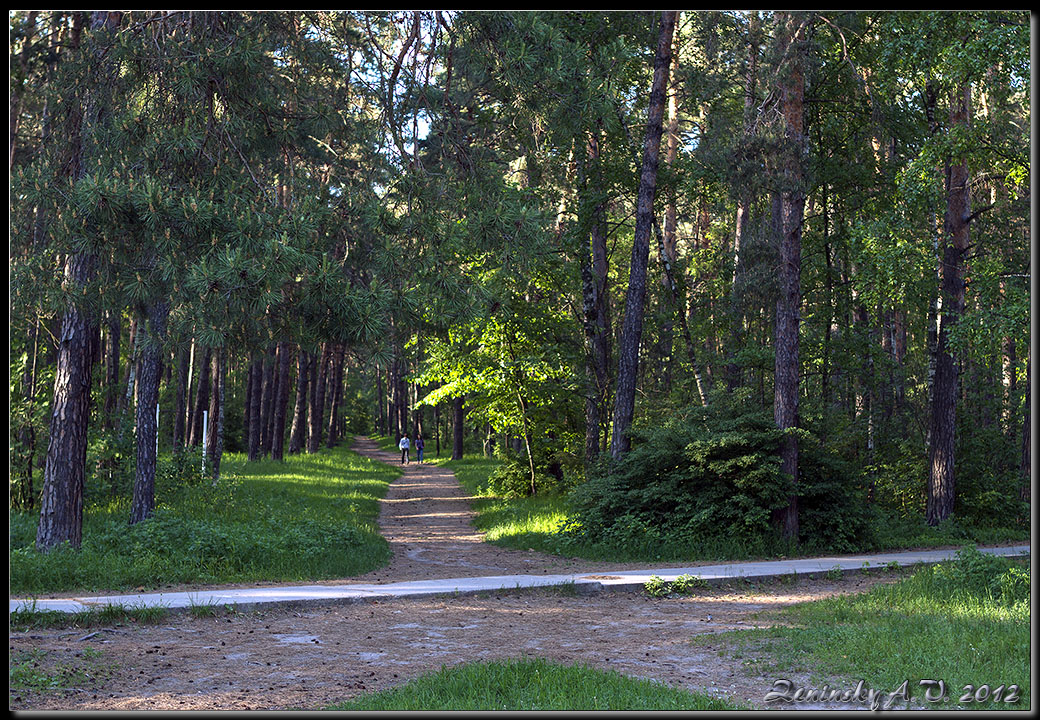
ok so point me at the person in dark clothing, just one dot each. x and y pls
(419, 445)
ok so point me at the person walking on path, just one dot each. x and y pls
(419, 445)
(404, 444)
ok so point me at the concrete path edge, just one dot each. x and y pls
(588, 582)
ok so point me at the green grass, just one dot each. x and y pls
(308, 518)
(28, 617)
(531, 684)
(524, 523)
(964, 622)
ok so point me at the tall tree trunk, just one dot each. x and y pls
(269, 378)
(61, 510)
(458, 437)
(381, 428)
(337, 396)
(148, 376)
(595, 302)
(792, 199)
(320, 378)
(181, 399)
(201, 398)
(189, 410)
(216, 414)
(247, 404)
(114, 324)
(632, 324)
(437, 428)
(298, 433)
(744, 201)
(25, 499)
(940, 495)
(393, 425)
(256, 369)
(1025, 469)
(281, 402)
(668, 240)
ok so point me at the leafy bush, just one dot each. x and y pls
(988, 479)
(984, 575)
(512, 478)
(710, 473)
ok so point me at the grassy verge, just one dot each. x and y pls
(308, 518)
(531, 685)
(965, 623)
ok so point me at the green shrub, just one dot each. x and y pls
(983, 575)
(988, 478)
(512, 477)
(712, 472)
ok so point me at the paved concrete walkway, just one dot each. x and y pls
(250, 598)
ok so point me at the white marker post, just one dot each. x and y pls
(156, 432)
(205, 438)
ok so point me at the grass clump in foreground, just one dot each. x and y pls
(29, 617)
(531, 684)
(965, 622)
(309, 517)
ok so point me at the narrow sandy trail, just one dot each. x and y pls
(427, 519)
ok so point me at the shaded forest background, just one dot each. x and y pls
(743, 273)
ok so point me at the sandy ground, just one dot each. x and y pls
(308, 658)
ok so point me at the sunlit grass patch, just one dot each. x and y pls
(965, 622)
(531, 684)
(310, 517)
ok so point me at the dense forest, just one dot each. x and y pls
(752, 273)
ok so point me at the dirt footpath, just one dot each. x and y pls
(308, 658)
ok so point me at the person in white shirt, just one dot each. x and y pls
(404, 444)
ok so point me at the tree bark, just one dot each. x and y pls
(1025, 469)
(216, 414)
(744, 200)
(61, 510)
(632, 324)
(381, 428)
(201, 398)
(337, 396)
(298, 433)
(458, 436)
(941, 477)
(267, 399)
(114, 325)
(181, 400)
(256, 369)
(148, 376)
(320, 378)
(595, 305)
(792, 199)
(281, 402)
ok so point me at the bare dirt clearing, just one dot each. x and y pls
(308, 658)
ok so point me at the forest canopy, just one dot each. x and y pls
(740, 272)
